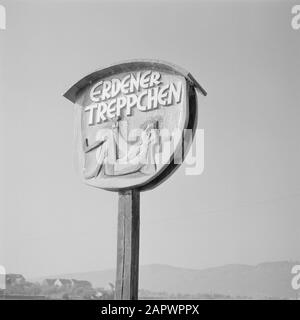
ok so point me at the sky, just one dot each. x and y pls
(244, 207)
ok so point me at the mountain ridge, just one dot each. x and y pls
(266, 279)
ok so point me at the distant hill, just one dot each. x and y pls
(271, 279)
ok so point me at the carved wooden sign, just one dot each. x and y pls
(133, 116)
(136, 122)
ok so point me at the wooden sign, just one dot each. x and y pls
(133, 119)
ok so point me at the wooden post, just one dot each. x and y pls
(128, 246)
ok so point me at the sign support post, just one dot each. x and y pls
(127, 274)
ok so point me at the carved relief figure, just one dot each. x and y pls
(116, 156)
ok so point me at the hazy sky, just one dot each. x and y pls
(244, 208)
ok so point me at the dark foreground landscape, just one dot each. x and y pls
(271, 280)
